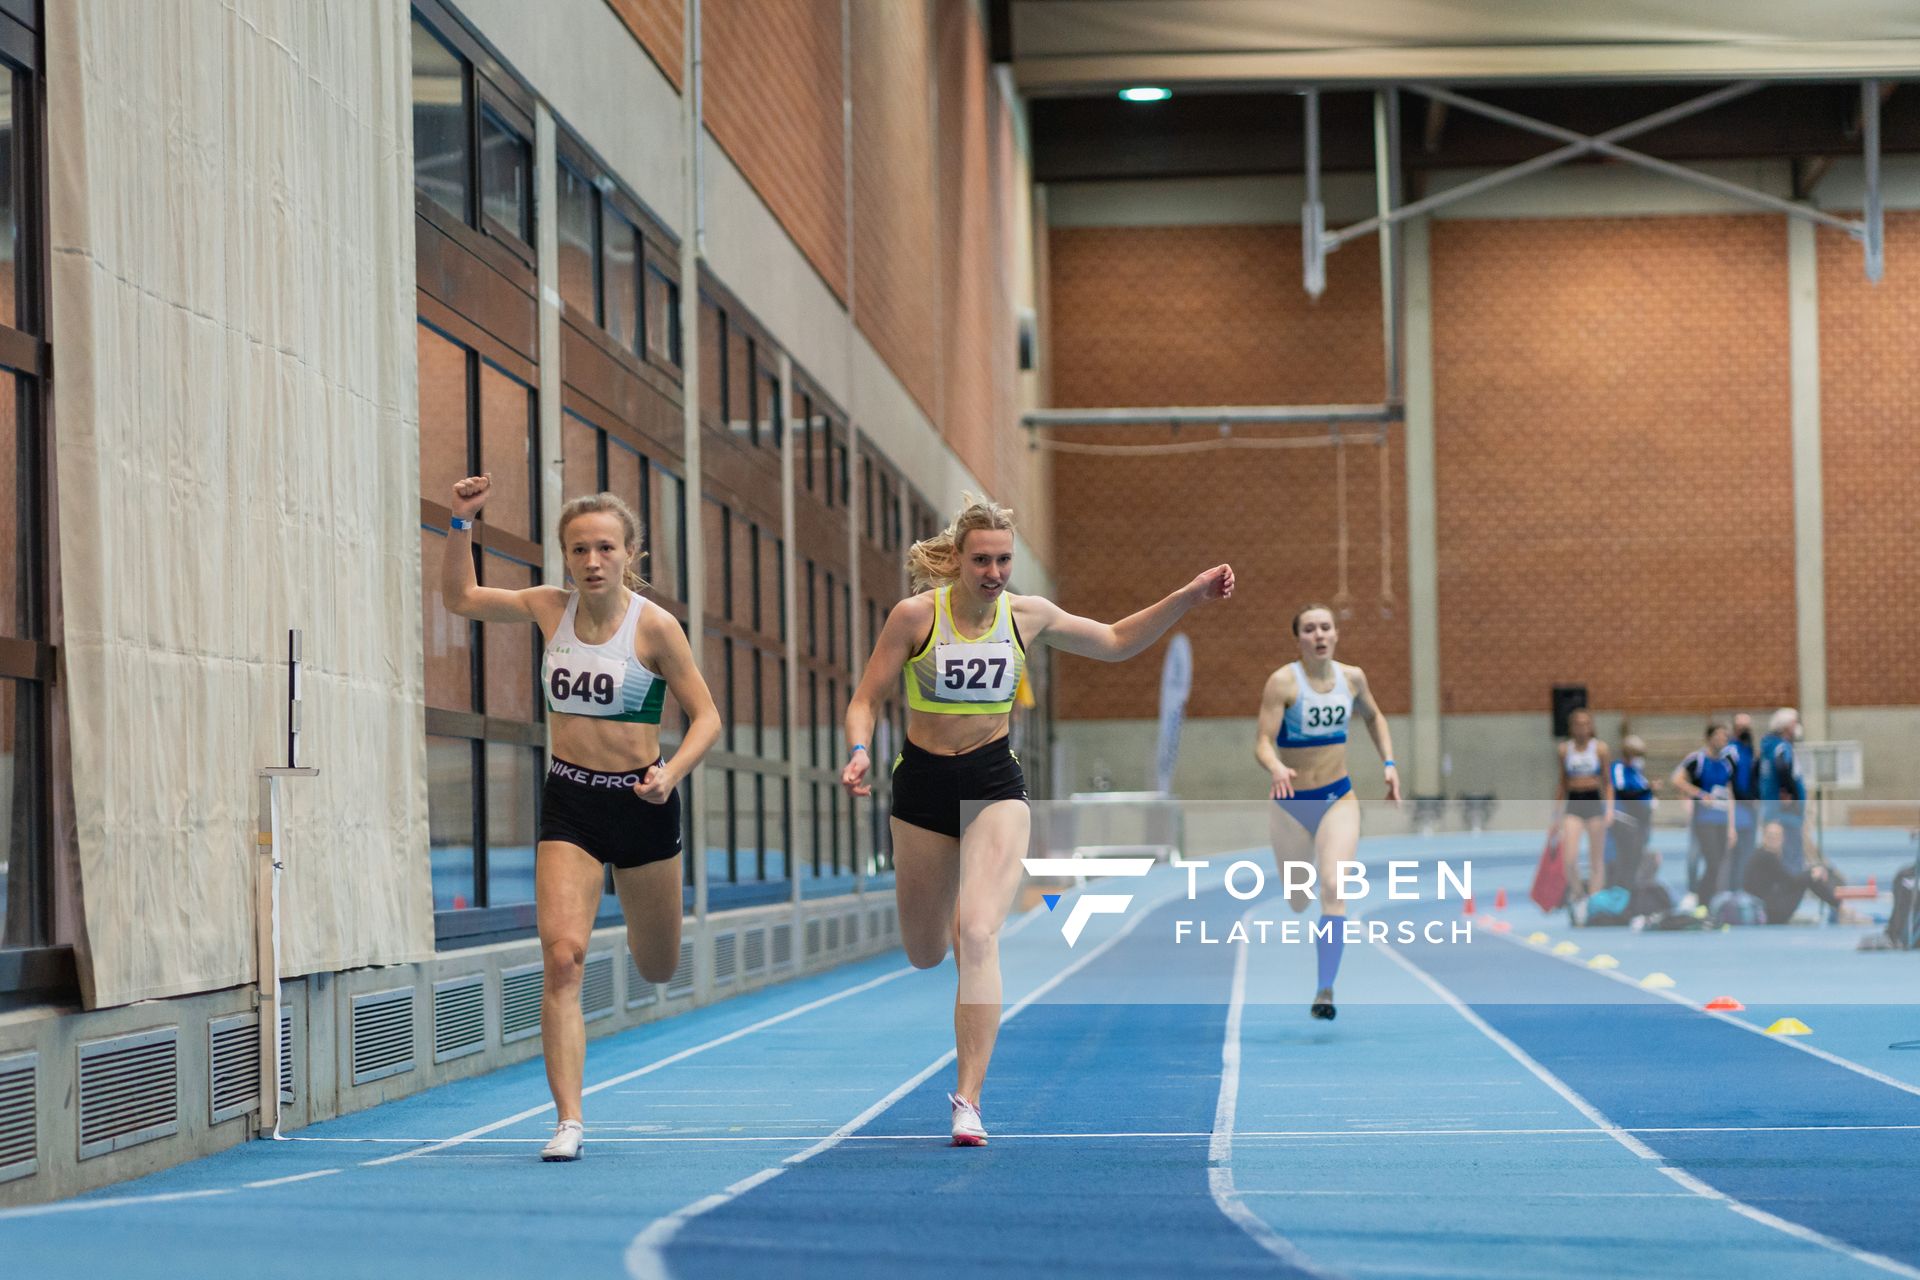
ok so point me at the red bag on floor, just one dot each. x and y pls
(1550, 877)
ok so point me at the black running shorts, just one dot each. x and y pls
(602, 814)
(929, 789)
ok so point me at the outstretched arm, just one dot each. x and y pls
(1376, 721)
(1118, 641)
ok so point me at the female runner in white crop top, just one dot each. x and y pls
(609, 799)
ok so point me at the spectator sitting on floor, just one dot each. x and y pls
(1785, 869)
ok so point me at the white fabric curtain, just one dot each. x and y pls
(236, 430)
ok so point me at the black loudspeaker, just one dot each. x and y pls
(1567, 699)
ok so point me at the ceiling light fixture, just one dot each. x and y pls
(1146, 94)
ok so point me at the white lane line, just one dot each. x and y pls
(163, 1197)
(1638, 1147)
(1789, 1041)
(657, 1065)
(297, 1177)
(646, 1256)
(1220, 1144)
(112, 1202)
(1238, 1136)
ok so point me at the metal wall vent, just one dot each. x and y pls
(233, 1066)
(853, 929)
(596, 986)
(814, 928)
(459, 1016)
(286, 1057)
(640, 992)
(833, 933)
(129, 1090)
(753, 952)
(873, 923)
(893, 922)
(783, 946)
(19, 1116)
(382, 1031)
(520, 990)
(726, 958)
(681, 984)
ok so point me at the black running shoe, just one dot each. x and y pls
(1323, 1004)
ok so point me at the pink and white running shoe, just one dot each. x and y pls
(967, 1129)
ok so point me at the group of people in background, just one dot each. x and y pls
(1746, 826)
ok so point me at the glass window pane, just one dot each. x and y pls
(718, 786)
(624, 478)
(746, 569)
(21, 847)
(11, 251)
(513, 790)
(663, 317)
(740, 386)
(773, 618)
(577, 276)
(507, 450)
(449, 645)
(443, 415)
(510, 646)
(620, 278)
(713, 347)
(439, 122)
(15, 514)
(746, 699)
(579, 456)
(667, 561)
(713, 528)
(450, 822)
(769, 409)
(506, 181)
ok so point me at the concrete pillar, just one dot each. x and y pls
(1809, 531)
(1423, 585)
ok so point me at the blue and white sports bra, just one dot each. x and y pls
(1583, 765)
(1316, 719)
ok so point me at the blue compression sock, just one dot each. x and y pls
(1330, 942)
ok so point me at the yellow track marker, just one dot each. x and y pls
(1566, 949)
(1789, 1027)
(1603, 962)
(1656, 982)
(1538, 938)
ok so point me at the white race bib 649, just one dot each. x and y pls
(975, 672)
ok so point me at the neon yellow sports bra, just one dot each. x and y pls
(956, 675)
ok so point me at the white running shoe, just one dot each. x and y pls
(967, 1129)
(566, 1140)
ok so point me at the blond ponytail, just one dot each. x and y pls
(935, 561)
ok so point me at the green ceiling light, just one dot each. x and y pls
(1146, 93)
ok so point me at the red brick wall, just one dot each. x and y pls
(1870, 462)
(895, 219)
(657, 25)
(1215, 315)
(772, 99)
(1613, 472)
(929, 284)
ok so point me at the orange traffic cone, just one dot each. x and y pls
(1467, 908)
(1499, 899)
